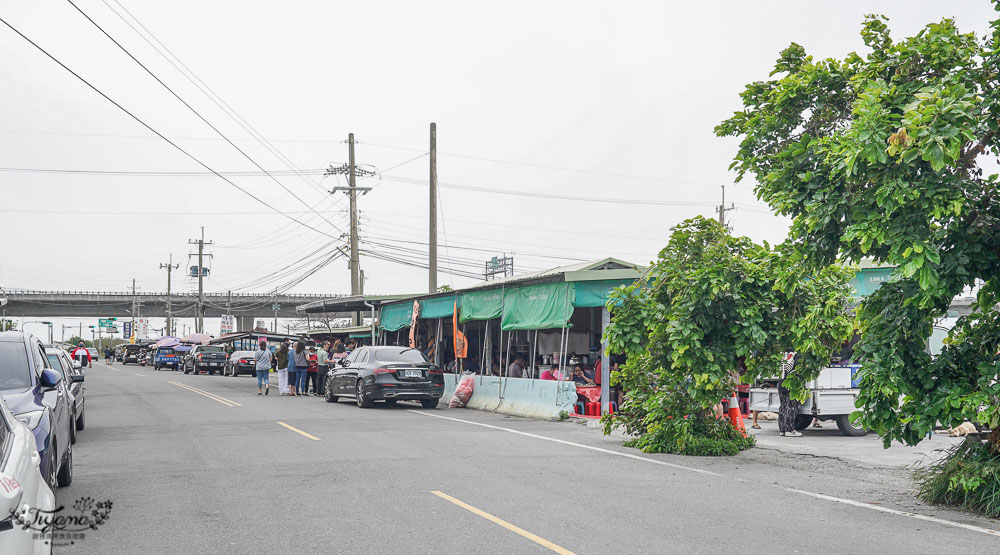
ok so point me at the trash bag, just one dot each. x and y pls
(463, 392)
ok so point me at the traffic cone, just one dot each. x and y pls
(735, 416)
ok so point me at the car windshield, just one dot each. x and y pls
(399, 355)
(165, 351)
(56, 363)
(242, 354)
(13, 366)
(210, 350)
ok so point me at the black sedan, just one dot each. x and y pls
(240, 362)
(387, 374)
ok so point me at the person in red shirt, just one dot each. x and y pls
(83, 355)
(311, 372)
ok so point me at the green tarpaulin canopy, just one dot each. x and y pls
(538, 307)
(480, 305)
(596, 293)
(396, 316)
(441, 307)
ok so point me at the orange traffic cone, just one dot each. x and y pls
(735, 416)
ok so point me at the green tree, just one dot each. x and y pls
(881, 155)
(710, 304)
(8, 325)
(75, 340)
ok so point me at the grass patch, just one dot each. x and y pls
(968, 477)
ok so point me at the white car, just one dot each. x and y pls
(22, 490)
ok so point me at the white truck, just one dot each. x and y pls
(831, 397)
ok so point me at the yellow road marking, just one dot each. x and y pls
(211, 396)
(519, 531)
(298, 431)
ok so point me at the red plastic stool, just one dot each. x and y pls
(593, 409)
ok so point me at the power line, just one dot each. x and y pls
(150, 128)
(197, 113)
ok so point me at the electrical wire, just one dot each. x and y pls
(151, 129)
(197, 113)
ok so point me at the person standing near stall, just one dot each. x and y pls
(323, 359)
(300, 364)
(281, 356)
(789, 408)
(262, 363)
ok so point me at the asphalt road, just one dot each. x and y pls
(192, 473)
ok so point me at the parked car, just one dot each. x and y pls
(131, 353)
(60, 361)
(23, 484)
(240, 362)
(166, 357)
(37, 396)
(386, 373)
(94, 355)
(208, 358)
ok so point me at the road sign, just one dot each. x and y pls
(127, 327)
(228, 324)
(107, 322)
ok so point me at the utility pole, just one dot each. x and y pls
(432, 248)
(722, 209)
(199, 323)
(133, 306)
(352, 190)
(169, 266)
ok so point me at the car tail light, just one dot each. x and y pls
(383, 371)
(199, 356)
(435, 371)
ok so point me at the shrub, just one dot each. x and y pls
(969, 477)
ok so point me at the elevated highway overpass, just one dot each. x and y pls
(119, 304)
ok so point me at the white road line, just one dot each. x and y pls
(211, 396)
(853, 503)
(580, 445)
(894, 511)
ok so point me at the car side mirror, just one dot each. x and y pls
(49, 378)
(77, 364)
(77, 378)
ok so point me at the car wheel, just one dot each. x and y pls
(72, 430)
(849, 429)
(429, 403)
(329, 396)
(362, 399)
(802, 422)
(390, 401)
(81, 421)
(65, 476)
(51, 477)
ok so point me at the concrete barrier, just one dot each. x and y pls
(517, 396)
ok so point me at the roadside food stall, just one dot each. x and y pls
(552, 320)
(362, 335)
(248, 340)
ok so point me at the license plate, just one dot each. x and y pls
(413, 374)
(213, 364)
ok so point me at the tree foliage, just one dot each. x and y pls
(710, 304)
(880, 155)
(75, 340)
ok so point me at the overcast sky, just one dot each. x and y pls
(624, 94)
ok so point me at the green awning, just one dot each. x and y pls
(538, 307)
(360, 335)
(440, 307)
(596, 293)
(480, 305)
(396, 316)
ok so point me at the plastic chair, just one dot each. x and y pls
(579, 408)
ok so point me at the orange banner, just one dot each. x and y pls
(461, 345)
(413, 325)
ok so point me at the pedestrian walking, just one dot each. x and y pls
(107, 355)
(789, 408)
(301, 366)
(323, 361)
(262, 360)
(281, 364)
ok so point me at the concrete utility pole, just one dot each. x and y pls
(352, 191)
(169, 266)
(722, 207)
(432, 248)
(133, 306)
(199, 323)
